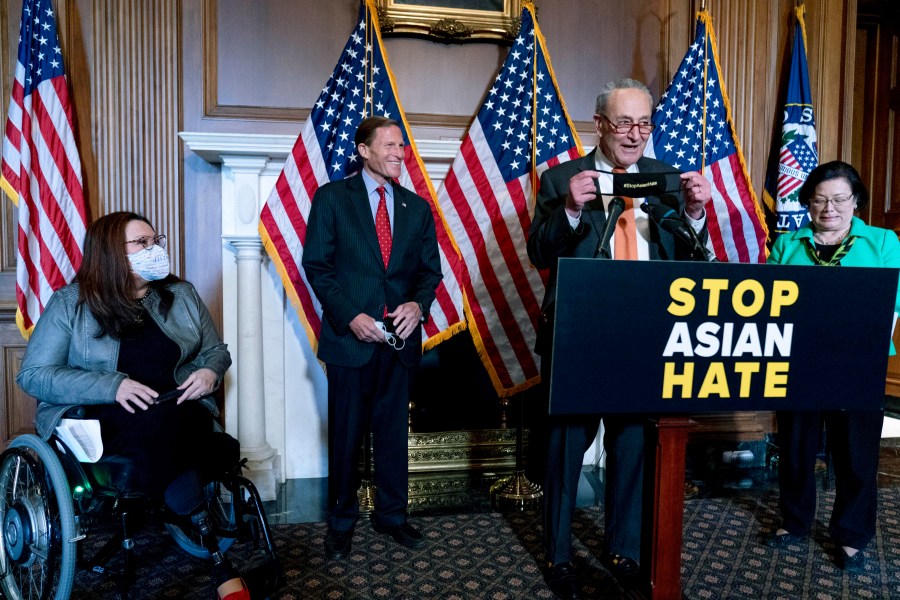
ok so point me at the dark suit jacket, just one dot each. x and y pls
(343, 264)
(550, 236)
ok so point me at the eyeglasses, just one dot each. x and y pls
(837, 201)
(149, 241)
(625, 128)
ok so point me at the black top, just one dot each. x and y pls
(825, 252)
(148, 356)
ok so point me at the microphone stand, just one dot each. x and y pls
(699, 251)
(699, 247)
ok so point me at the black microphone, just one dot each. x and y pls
(616, 206)
(669, 220)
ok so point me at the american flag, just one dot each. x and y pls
(361, 85)
(797, 152)
(694, 132)
(487, 197)
(41, 169)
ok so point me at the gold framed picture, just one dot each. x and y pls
(451, 20)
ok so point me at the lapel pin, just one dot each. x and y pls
(403, 204)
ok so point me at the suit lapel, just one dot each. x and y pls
(594, 209)
(403, 225)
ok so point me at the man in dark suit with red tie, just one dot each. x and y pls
(371, 256)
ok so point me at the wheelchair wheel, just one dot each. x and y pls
(37, 539)
(223, 514)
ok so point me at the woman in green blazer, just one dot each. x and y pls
(833, 237)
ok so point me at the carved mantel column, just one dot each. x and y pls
(251, 392)
(239, 231)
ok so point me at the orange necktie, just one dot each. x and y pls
(626, 230)
(383, 227)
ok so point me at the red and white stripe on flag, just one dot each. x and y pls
(734, 224)
(489, 220)
(488, 197)
(41, 168)
(325, 152)
(695, 131)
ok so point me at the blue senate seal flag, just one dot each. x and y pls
(797, 153)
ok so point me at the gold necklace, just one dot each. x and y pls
(818, 239)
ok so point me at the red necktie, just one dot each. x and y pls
(626, 230)
(383, 227)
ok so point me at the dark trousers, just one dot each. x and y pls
(164, 442)
(569, 439)
(376, 396)
(854, 439)
(559, 444)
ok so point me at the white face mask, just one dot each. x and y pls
(150, 264)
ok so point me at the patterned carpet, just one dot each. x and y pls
(495, 556)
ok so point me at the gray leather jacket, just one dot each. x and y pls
(65, 363)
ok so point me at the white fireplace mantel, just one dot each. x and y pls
(437, 154)
(276, 395)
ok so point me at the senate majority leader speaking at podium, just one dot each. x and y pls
(579, 215)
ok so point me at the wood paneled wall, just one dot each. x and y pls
(17, 410)
(876, 125)
(135, 108)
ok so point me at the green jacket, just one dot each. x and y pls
(874, 247)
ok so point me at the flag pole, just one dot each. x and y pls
(517, 491)
(369, 77)
(366, 491)
(705, 84)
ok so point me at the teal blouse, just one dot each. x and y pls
(873, 247)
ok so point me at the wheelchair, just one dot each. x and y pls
(50, 504)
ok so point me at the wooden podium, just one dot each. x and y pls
(664, 466)
(678, 338)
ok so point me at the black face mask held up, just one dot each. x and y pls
(640, 185)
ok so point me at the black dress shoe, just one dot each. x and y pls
(624, 569)
(404, 534)
(852, 564)
(780, 542)
(562, 581)
(338, 543)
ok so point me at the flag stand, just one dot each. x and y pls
(366, 492)
(517, 491)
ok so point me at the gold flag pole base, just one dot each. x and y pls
(366, 494)
(516, 492)
(366, 491)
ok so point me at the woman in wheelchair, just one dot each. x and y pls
(135, 347)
